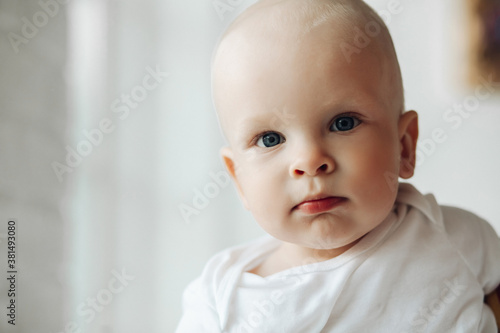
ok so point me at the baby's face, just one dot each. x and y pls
(314, 141)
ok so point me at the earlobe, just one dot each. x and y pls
(227, 156)
(408, 136)
(229, 161)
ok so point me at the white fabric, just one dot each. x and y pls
(426, 268)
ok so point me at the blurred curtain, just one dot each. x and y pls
(33, 119)
(120, 82)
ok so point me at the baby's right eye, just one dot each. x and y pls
(270, 139)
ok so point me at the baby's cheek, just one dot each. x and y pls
(262, 194)
(373, 173)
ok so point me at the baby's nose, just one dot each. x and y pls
(312, 162)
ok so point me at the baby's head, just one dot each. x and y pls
(315, 124)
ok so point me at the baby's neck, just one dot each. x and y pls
(289, 255)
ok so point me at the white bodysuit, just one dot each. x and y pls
(426, 268)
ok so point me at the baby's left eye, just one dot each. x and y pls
(344, 123)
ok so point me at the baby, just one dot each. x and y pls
(317, 138)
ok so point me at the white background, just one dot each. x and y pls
(118, 210)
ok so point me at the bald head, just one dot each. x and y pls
(302, 16)
(282, 33)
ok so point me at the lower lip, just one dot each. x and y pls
(319, 206)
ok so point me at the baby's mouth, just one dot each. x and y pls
(321, 205)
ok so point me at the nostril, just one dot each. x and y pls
(323, 167)
(299, 172)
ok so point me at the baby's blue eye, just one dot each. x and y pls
(270, 140)
(344, 123)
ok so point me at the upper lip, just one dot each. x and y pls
(316, 197)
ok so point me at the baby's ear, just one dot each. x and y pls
(408, 135)
(229, 161)
(227, 156)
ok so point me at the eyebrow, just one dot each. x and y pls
(246, 128)
(254, 123)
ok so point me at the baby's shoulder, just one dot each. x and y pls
(476, 241)
(462, 225)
